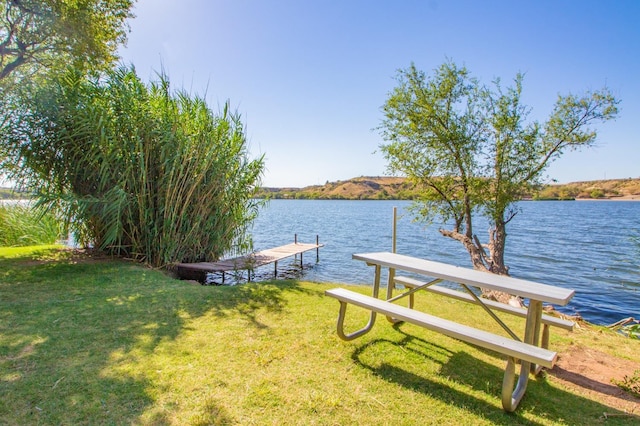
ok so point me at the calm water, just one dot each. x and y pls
(584, 245)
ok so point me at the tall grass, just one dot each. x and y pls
(138, 170)
(21, 226)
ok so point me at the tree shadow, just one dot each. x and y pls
(424, 359)
(64, 322)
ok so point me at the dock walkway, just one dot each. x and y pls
(198, 271)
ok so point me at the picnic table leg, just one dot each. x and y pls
(532, 328)
(545, 336)
(372, 316)
(510, 400)
(391, 285)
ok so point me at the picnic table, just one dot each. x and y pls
(528, 350)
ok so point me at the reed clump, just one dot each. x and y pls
(22, 226)
(137, 170)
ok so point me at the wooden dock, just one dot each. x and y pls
(198, 271)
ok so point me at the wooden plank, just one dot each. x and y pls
(521, 312)
(250, 261)
(528, 289)
(500, 344)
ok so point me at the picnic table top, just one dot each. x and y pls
(524, 288)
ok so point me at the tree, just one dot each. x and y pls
(473, 151)
(137, 170)
(37, 35)
(41, 37)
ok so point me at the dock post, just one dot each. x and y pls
(392, 271)
(393, 238)
(317, 248)
(275, 270)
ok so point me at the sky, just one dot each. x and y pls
(310, 77)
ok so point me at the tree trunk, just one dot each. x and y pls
(478, 257)
(497, 240)
(494, 262)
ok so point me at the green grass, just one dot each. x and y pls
(109, 342)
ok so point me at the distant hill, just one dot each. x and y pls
(398, 188)
(614, 189)
(361, 188)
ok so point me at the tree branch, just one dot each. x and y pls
(586, 117)
(7, 69)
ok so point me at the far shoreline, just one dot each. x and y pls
(625, 198)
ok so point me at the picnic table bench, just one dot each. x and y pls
(527, 351)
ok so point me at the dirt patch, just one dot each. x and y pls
(592, 373)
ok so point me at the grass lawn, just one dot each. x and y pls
(86, 341)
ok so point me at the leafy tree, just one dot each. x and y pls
(42, 37)
(473, 151)
(137, 170)
(37, 35)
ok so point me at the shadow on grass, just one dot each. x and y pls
(66, 326)
(427, 368)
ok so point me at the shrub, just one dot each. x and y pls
(630, 383)
(22, 225)
(138, 170)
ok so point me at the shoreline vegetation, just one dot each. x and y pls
(399, 188)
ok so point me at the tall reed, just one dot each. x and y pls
(22, 225)
(138, 170)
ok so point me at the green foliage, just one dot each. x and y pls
(137, 171)
(22, 225)
(555, 193)
(40, 38)
(472, 149)
(39, 35)
(632, 331)
(630, 383)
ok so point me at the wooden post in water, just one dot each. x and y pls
(317, 248)
(393, 237)
(392, 271)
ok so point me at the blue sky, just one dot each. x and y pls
(310, 77)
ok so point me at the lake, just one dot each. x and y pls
(588, 246)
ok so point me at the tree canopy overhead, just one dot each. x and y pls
(474, 151)
(45, 34)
